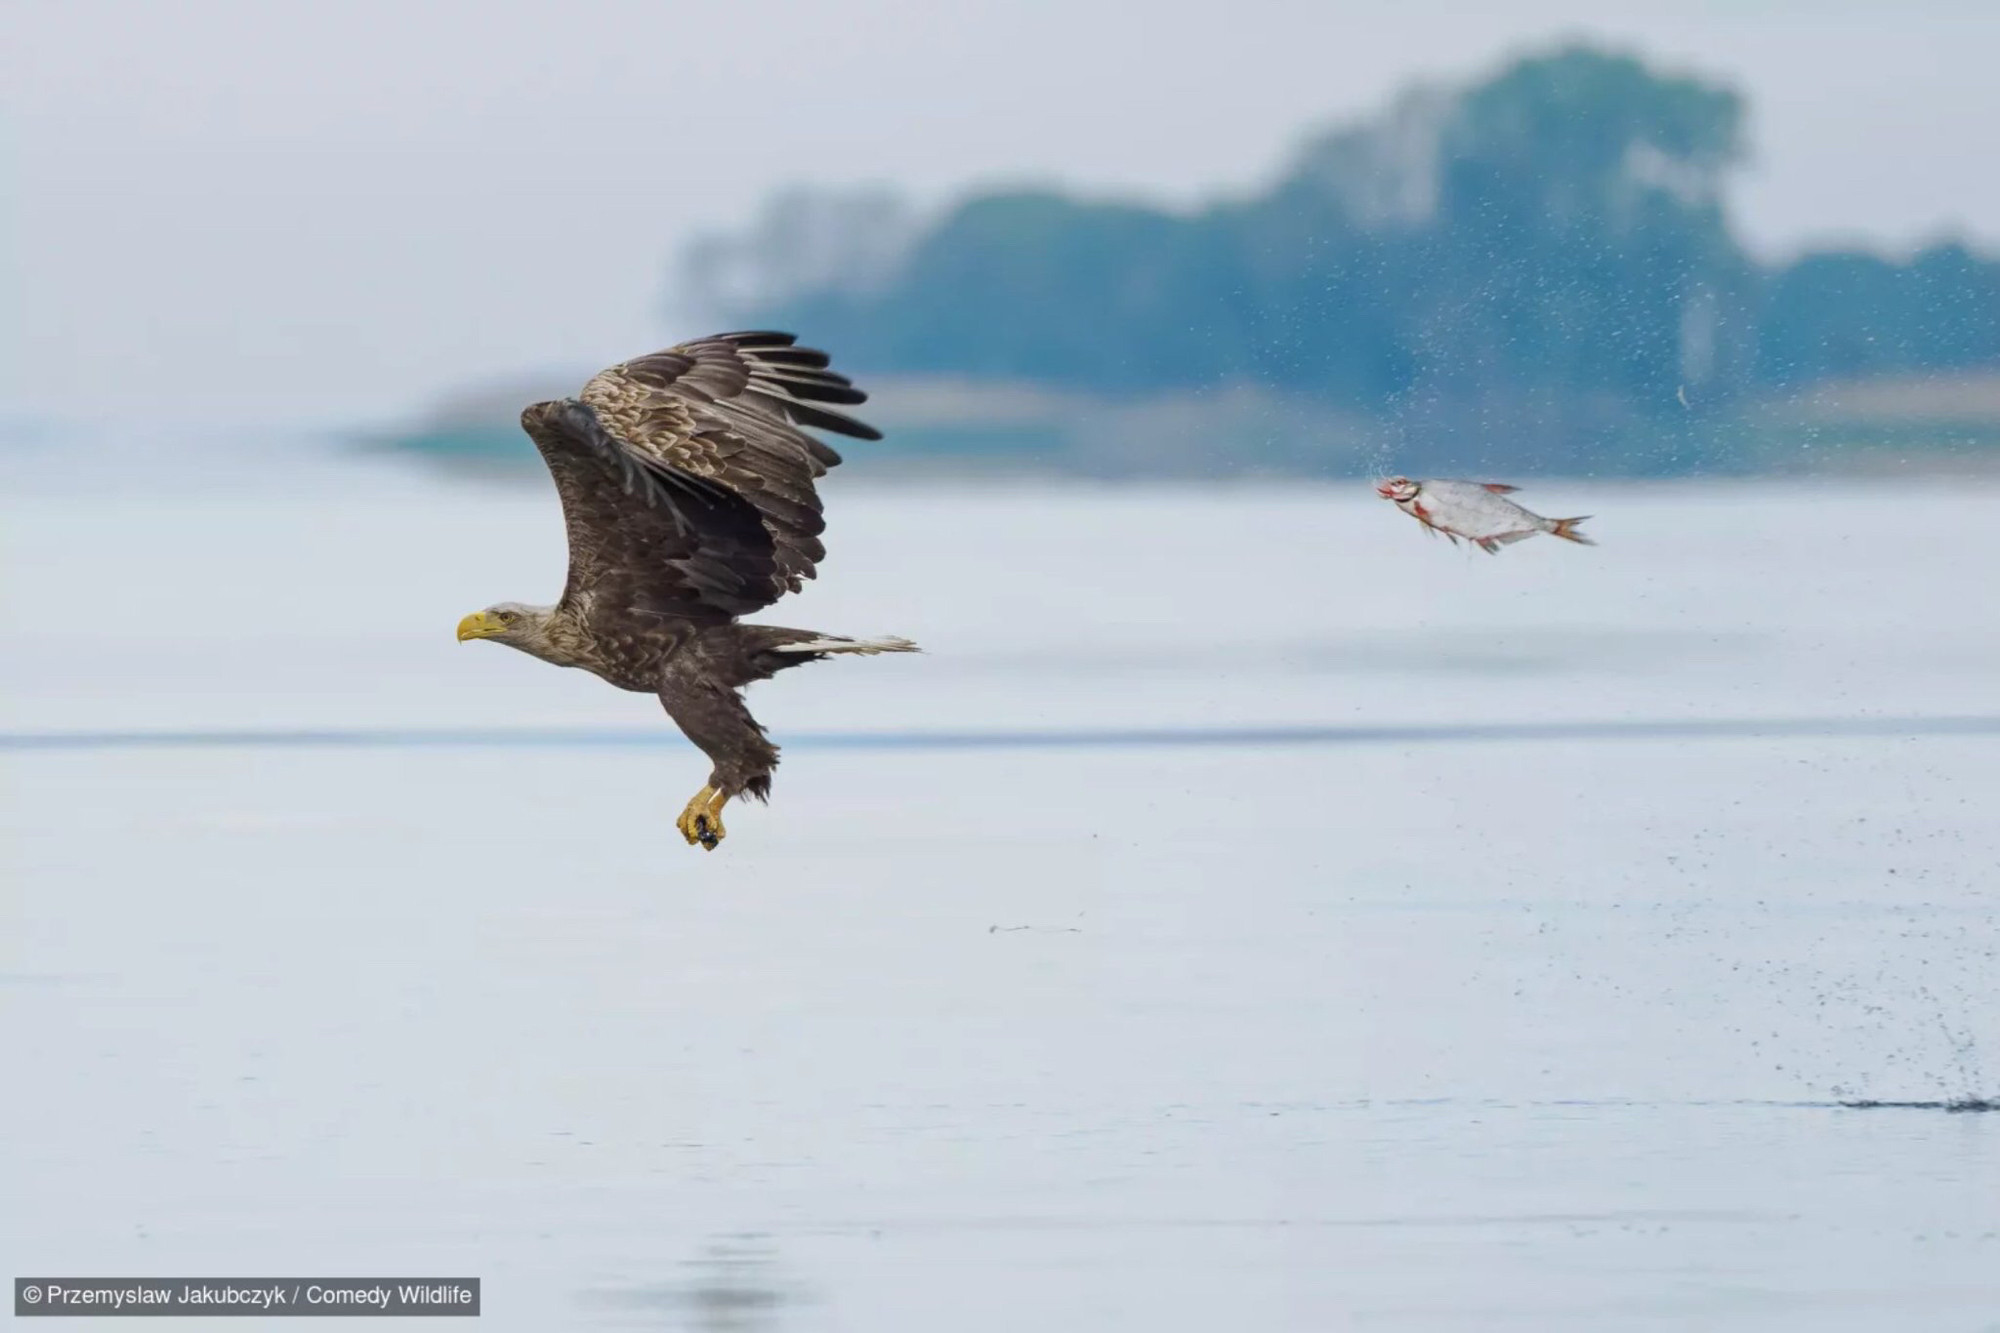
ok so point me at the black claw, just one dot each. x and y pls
(705, 832)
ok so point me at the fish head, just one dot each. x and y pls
(1398, 489)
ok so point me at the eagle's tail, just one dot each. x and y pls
(831, 643)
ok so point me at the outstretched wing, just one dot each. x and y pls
(729, 409)
(686, 482)
(648, 546)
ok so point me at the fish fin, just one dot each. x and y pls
(1499, 487)
(1566, 529)
(1488, 545)
(1509, 538)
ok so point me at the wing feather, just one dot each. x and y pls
(650, 544)
(732, 410)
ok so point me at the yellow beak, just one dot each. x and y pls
(478, 625)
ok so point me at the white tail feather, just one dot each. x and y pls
(868, 647)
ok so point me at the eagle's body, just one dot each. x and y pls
(687, 493)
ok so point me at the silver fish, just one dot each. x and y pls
(1478, 511)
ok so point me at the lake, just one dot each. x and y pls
(1247, 914)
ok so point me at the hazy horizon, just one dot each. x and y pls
(383, 207)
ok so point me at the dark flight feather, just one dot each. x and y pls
(798, 356)
(687, 481)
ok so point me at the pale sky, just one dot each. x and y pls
(316, 211)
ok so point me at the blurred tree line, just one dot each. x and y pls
(1542, 259)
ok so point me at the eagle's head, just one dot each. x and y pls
(1398, 489)
(517, 626)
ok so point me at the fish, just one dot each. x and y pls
(1478, 511)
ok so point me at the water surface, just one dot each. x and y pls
(1308, 926)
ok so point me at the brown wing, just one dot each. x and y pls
(686, 483)
(728, 410)
(648, 547)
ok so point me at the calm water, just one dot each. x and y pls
(1436, 1029)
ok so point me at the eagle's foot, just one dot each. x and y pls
(701, 822)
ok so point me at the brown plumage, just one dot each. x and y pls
(687, 491)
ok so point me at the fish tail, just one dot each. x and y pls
(1566, 529)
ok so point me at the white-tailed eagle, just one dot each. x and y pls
(686, 481)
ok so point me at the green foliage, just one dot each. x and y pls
(1025, 285)
(1541, 260)
(1845, 315)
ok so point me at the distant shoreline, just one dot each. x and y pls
(957, 428)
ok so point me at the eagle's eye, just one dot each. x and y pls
(506, 617)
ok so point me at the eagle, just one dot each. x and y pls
(686, 481)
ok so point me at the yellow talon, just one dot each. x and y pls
(701, 822)
(710, 823)
(697, 807)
